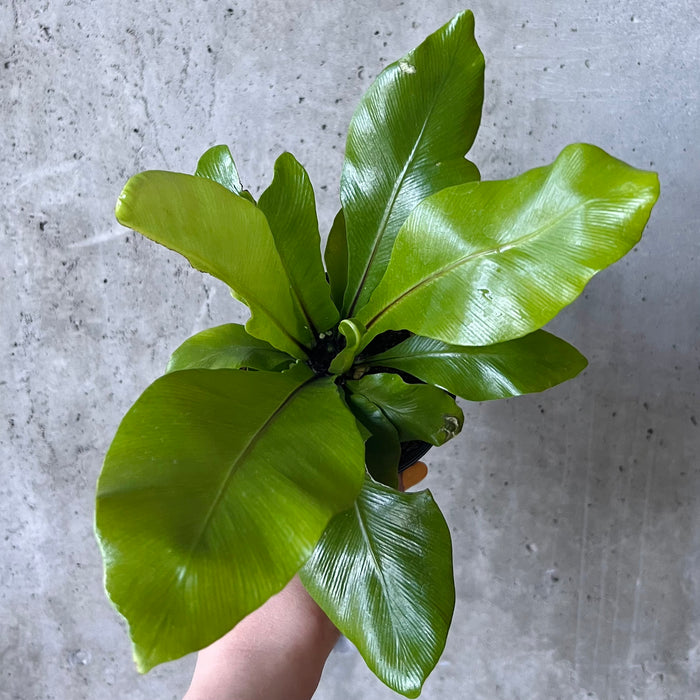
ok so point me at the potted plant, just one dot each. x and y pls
(273, 448)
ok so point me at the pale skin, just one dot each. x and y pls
(278, 652)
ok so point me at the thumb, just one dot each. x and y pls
(412, 476)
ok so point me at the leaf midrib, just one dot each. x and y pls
(378, 571)
(398, 184)
(426, 356)
(479, 254)
(182, 571)
(294, 285)
(381, 410)
(233, 468)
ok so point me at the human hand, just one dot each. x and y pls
(278, 651)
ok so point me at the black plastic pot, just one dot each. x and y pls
(411, 452)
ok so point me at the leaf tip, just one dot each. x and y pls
(141, 666)
(122, 209)
(144, 662)
(465, 16)
(128, 203)
(653, 185)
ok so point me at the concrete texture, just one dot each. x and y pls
(574, 513)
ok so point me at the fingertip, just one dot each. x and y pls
(414, 474)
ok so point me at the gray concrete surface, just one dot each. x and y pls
(575, 513)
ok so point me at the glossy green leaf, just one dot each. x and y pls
(215, 490)
(382, 447)
(480, 373)
(486, 262)
(290, 208)
(382, 572)
(417, 411)
(336, 259)
(406, 141)
(353, 333)
(227, 347)
(226, 236)
(217, 165)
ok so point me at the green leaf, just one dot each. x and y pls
(336, 258)
(407, 140)
(217, 165)
(382, 447)
(354, 333)
(214, 492)
(417, 411)
(480, 373)
(486, 262)
(382, 572)
(227, 347)
(290, 208)
(226, 236)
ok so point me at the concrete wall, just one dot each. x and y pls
(574, 513)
